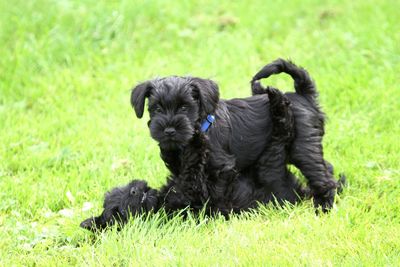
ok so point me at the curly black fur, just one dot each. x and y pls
(242, 158)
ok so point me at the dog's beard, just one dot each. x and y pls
(184, 132)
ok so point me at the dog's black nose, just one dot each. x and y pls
(169, 131)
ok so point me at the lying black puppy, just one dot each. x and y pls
(122, 202)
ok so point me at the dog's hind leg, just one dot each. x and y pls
(277, 181)
(318, 174)
(329, 167)
(306, 154)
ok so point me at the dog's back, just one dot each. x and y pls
(245, 127)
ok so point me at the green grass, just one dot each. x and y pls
(68, 133)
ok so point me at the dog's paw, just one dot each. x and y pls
(325, 201)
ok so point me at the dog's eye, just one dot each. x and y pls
(158, 109)
(134, 191)
(183, 108)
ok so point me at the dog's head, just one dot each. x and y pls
(177, 106)
(121, 202)
(139, 197)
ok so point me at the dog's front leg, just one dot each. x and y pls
(189, 186)
(222, 178)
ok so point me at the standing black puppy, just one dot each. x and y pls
(240, 137)
(196, 185)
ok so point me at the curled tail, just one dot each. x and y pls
(303, 83)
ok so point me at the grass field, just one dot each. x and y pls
(68, 133)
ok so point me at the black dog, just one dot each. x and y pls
(240, 158)
(122, 202)
(196, 185)
(199, 184)
(241, 133)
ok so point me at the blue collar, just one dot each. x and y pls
(207, 123)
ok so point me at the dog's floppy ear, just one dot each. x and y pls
(138, 96)
(206, 91)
